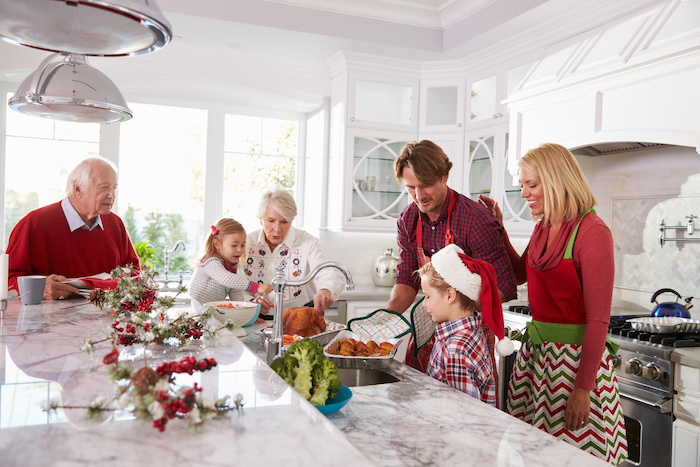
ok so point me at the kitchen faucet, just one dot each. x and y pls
(273, 337)
(166, 254)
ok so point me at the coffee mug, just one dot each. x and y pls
(31, 289)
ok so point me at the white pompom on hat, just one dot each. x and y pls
(475, 279)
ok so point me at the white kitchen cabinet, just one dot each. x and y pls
(686, 409)
(487, 93)
(442, 104)
(486, 172)
(360, 308)
(374, 198)
(686, 444)
(382, 101)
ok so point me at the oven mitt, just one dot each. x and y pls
(381, 323)
(422, 325)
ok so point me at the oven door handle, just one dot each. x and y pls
(663, 405)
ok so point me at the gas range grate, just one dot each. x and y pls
(620, 327)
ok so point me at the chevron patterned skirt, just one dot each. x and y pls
(539, 388)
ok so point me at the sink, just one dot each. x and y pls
(353, 377)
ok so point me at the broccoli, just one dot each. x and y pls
(308, 353)
(326, 382)
(286, 368)
(308, 371)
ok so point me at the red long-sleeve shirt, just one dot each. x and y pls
(593, 257)
(42, 243)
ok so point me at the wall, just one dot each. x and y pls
(356, 250)
(635, 191)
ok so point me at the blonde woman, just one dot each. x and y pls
(569, 268)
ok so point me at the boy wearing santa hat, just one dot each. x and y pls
(460, 292)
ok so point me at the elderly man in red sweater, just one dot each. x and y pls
(76, 237)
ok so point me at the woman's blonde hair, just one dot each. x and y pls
(436, 281)
(567, 194)
(281, 201)
(221, 228)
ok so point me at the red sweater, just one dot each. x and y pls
(594, 261)
(42, 243)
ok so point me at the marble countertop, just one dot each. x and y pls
(421, 421)
(687, 356)
(41, 360)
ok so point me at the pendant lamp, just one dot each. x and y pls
(89, 27)
(65, 87)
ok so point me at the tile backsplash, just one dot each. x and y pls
(635, 191)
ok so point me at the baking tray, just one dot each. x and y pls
(345, 361)
(665, 325)
(332, 328)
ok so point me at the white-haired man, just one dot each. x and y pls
(75, 237)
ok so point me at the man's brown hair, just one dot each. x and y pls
(426, 159)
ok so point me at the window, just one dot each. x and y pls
(258, 153)
(162, 154)
(39, 154)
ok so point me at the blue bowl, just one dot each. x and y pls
(333, 405)
(257, 313)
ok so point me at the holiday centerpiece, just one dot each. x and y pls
(141, 316)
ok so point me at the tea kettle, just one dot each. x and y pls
(384, 269)
(674, 309)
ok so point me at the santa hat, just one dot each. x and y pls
(475, 279)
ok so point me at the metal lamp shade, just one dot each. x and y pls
(89, 27)
(65, 87)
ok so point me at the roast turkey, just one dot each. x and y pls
(304, 321)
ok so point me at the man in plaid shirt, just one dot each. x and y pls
(437, 217)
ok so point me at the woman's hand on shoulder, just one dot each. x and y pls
(492, 206)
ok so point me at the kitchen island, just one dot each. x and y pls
(421, 421)
(41, 360)
(416, 421)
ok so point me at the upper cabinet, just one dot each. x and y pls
(376, 198)
(442, 104)
(486, 96)
(382, 102)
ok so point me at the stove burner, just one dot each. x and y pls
(522, 309)
(620, 327)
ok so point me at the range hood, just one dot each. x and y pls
(603, 149)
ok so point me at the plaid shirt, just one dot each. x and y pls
(460, 358)
(475, 230)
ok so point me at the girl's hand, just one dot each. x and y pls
(492, 206)
(578, 408)
(264, 289)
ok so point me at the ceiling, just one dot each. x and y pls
(273, 54)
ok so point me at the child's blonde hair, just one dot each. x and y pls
(436, 281)
(221, 228)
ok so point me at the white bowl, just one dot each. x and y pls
(241, 313)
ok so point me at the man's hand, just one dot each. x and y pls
(322, 300)
(56, 290)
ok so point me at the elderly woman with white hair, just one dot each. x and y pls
(278, 242)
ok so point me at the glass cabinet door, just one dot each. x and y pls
(480, 167)
(376, 194)
(513, 206)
